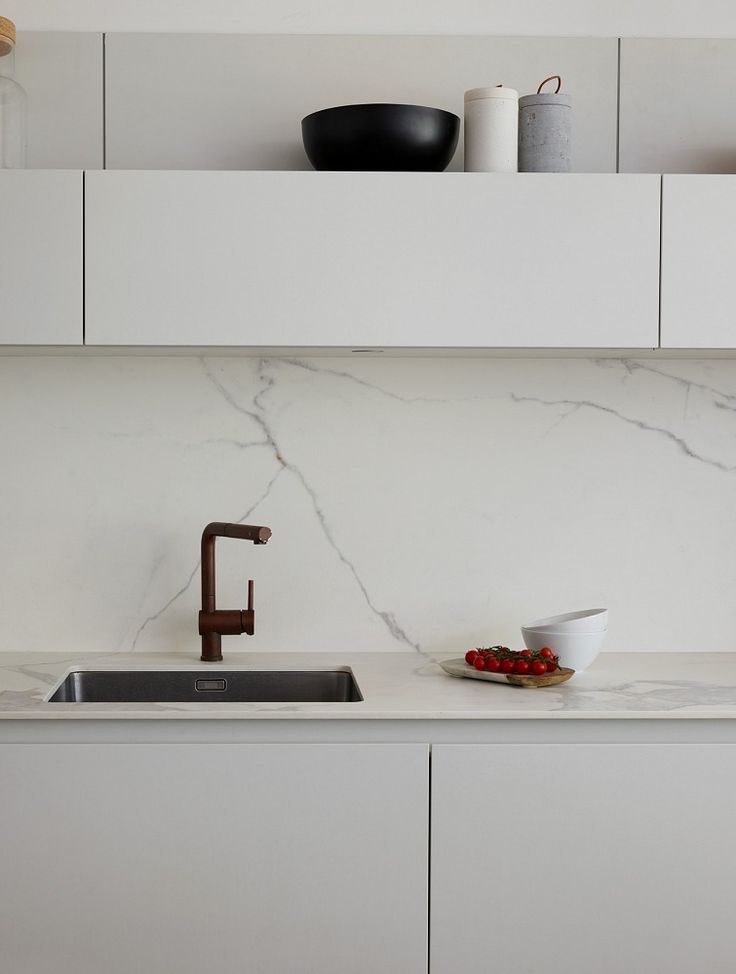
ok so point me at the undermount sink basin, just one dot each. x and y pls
(196, 686)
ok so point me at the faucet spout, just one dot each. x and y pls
(214, 623)
(248, 532)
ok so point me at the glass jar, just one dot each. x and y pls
(12, 103)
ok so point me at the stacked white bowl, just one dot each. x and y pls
(576, 637)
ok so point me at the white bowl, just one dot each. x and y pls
(587, 620)
(549, 631)
(575, 649)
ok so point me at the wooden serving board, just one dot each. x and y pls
(458, 667)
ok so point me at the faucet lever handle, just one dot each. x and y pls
(250, 595)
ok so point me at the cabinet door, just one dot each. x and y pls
(698, 259)
(653, 137)
(41, 257)
(61, 72)
(568, 859)
(423, 260)
(263, 859)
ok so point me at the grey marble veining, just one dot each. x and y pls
(418, 505)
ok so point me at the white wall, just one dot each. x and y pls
(707, 18)
(414, 503)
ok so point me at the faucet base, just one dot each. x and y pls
(211, 647)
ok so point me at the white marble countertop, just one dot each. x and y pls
(399, 686)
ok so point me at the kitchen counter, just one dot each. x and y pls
(398, 687)
(380, 805)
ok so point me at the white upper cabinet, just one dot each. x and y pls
(41, 257)
(698, 259)
(422, 260)
(62, 74)
(235, 101)
(677, 105)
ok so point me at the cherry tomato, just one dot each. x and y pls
(551, 666)
(521, 667)
(479, 663)
(525, 652)
(470, 656)
(507, 666)
(492, 664)
(538, 667)
(546, 652)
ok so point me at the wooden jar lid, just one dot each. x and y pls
(7, 36)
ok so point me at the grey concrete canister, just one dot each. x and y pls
(545, 129)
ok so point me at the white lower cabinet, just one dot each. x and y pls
(314, 858)
(573, 859)
(234, 858)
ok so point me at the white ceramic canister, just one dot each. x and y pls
(491, 129)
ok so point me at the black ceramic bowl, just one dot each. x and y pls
(381, 137)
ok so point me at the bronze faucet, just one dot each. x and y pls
(215, 623)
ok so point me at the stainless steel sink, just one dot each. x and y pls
(198, 686)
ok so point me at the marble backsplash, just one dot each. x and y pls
(426, 504)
